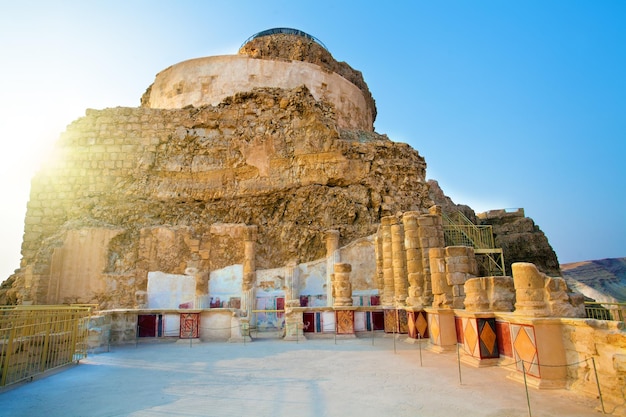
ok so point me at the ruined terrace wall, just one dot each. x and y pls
(161, 179)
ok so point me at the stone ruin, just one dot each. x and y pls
(234, 166)
(251, 190)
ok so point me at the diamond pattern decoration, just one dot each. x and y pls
(421, 324)
(488, 347)
(434, 329)
(411, 325)
(345, 322)
(525, 349)
(391, 325)
(470, 336)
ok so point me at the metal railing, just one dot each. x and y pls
(605, 311)
(458, 230)
(35, 339)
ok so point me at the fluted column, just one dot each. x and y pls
(332, 256)
(399, 263)
(388, 295)
(343, 286)
(378, 251)
(249, 270)
(292, 284)
(415, 273)
(430, 230)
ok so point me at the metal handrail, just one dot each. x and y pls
(35, 339)
(605, 311)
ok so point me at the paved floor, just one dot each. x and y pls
(320, 377)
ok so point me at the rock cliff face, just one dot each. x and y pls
(156, 183)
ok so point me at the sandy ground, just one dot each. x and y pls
(268, 377)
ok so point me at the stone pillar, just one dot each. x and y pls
(388, 295)
(442, 291)
(202, 285)
(292, 283)
(398, 263)
(343, 286)
(430, 229)
(476, 296)
(529, 290)
(489, 294)
(415, 273)
(460, 266)
(294, 323)
(249, 270)
(332, 256)
(378, 251)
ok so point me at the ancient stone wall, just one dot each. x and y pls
(162, 179)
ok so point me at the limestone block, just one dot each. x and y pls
(476, 295)
(529, 292)
(501, 293)
(456, 278)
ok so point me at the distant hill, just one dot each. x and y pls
(601, 280)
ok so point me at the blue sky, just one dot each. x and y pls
(512, 103)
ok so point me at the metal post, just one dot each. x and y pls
(595, 371)
(419, 342)
(394, 332)
(372, 326)
(526, 387)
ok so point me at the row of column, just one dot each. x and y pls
(402, 256)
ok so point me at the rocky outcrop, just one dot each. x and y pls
(521, 240)
(518, 236)
(158, 183)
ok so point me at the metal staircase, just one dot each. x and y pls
(458, 230)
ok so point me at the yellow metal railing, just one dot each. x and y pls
(605, 311)
(35, 339)
(458, 230)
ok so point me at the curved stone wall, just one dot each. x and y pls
(209, 80)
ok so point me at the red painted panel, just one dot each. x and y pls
(309, 322)
(458, 323)
(378, 320)
(503, 335)
(280, 305)
(146, 325)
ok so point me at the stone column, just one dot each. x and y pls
(202, 285)
(399, 263)
(378, 251)
(430, 230)
(442, 292)
(332, 256)
(388, 295)
(460, 266)
(529, 290)
(293, 319)
(292, 284)
(343, 286)
(249, 270)
(414, 268)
